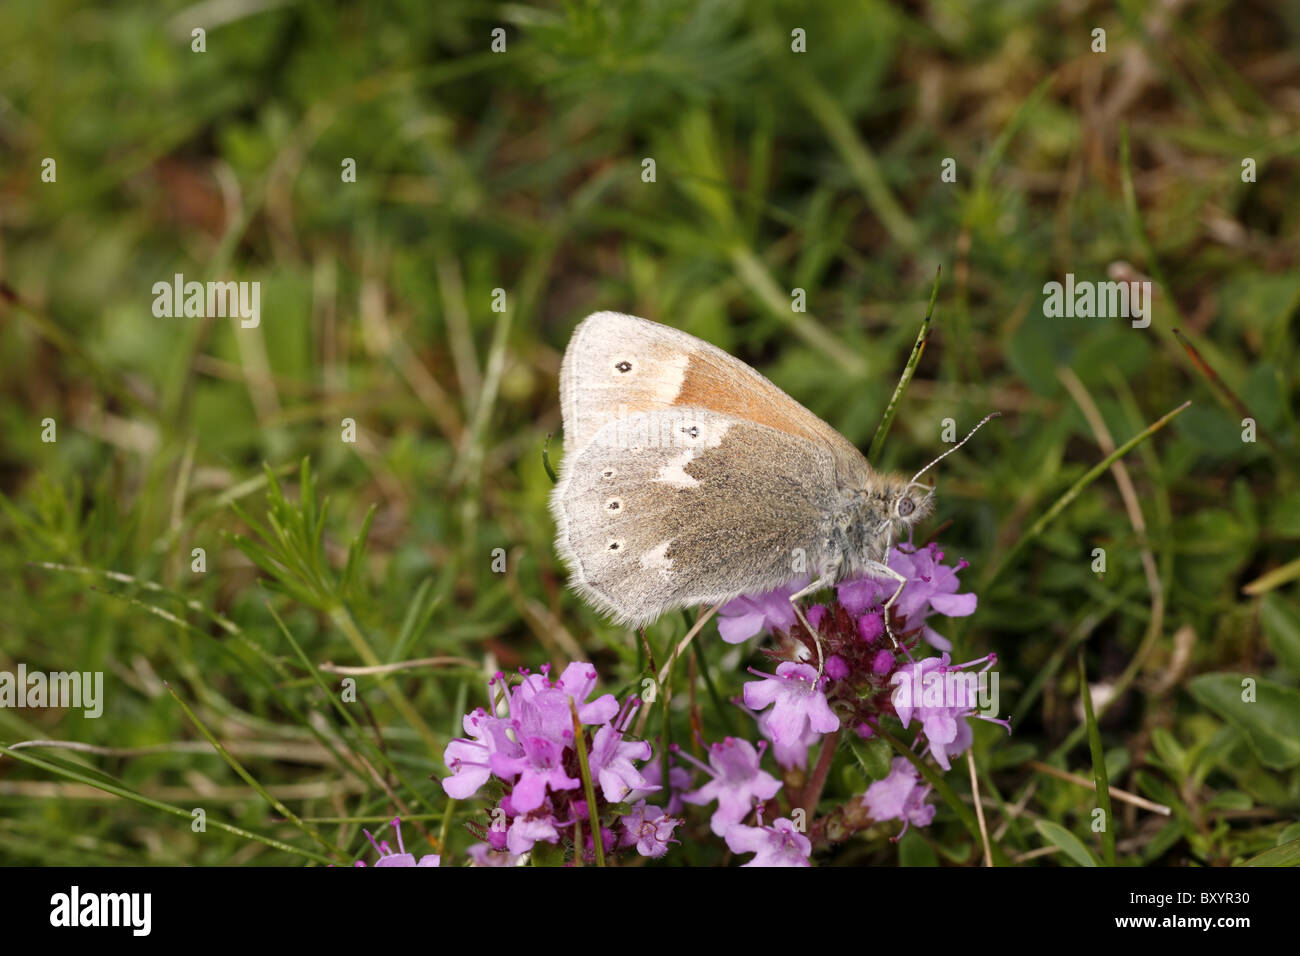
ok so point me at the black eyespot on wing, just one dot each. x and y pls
(623, 366)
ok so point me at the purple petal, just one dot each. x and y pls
(733, 630)
(953, 605)
(529, 792)
(936, 640)
(820, 716)
(760, 693)
(743, 839)
(465, 782)
(599, 711)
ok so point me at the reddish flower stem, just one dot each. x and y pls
(812, 792)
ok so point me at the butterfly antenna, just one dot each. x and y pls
(985, 420)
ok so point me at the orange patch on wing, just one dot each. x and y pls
(703, 387)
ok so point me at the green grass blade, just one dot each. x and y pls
(878, 441)
(98, 781)
(1098, 767)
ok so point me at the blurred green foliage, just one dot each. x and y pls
(522, 171)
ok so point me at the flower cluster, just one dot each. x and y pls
(866, 676)
(740, 786)
(526, 751)
(532, 755)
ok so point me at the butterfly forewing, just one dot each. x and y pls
(619, 364)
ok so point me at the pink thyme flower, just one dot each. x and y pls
(799, 709)
(931, 587)
(858, 595)
(401, 858)
(790, 752)
(527, 829)
(469, 760)
(781, 844)
(743, 617)
(930, 583)
(941, 697)
(900, 796)
(737, 782)
(542, 727)
(533, 753)
(540, 707)
(539, 769)
(883, 662)
(611, 763)
(649, 829)
(871, 626)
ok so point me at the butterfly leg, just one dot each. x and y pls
(798, 612)
(885, 571)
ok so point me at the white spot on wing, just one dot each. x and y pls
(670, 376)
(694, 435)
(657, 559)
(674, 473)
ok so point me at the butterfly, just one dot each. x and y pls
(690, 479)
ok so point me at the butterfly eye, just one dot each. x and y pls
(905, 507)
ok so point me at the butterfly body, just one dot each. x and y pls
(688, 478)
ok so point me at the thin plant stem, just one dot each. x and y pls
(878, 441)
(580, 744)
(248, 778)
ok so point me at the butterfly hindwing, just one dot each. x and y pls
(684, 506)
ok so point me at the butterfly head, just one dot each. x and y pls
(909, 502)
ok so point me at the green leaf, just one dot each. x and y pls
(873, 755)
(1069, 844)
(1281, 621)
(1270, 722)
(1171, 754)
(1288, 854)
(914, 851)
(1163, 841)
(1230, 800)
